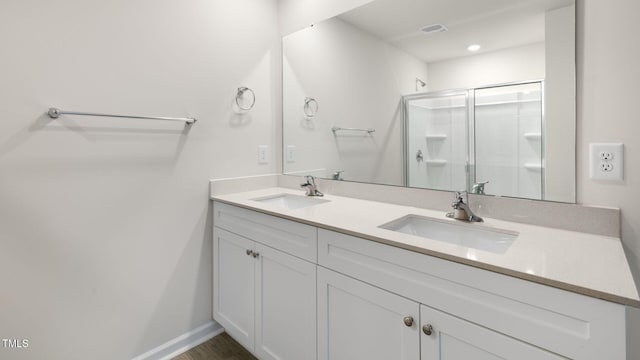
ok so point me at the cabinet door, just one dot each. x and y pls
(359, 321)
(233, 285)
(452, 338)
(285, 306)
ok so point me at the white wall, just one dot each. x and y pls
(509, 65)
(358, 81)
(608, 78)
(105, 237)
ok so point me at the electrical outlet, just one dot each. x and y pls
(606, 155)
(606, 167)
(263, 154)
(606, 161)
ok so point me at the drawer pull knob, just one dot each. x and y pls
(256, 255)
(408, 320)
(427, 329)
(249, 252)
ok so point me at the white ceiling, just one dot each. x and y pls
(493, 24)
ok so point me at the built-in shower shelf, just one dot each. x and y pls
(533, 166)
(436, 136)
(533, 136)
(436, 162)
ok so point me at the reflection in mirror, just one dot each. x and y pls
(418, 108)
(504, 156)
(436, 132)
(508, 140)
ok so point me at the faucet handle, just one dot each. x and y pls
(310, 186)
(309, 180)
(461, 196)
(461, 209)
(478, 188)
(306, 184)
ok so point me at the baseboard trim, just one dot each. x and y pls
(182, 343)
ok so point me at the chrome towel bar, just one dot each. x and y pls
(55, 113)
(335, 129)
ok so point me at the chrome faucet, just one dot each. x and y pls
(310, 187)
(461, 209)
(337, 175)
(478, 188)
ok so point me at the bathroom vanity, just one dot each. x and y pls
(300, 277)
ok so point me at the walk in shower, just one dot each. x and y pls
(485, 140)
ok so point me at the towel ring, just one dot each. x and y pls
(240, 95)
(310, 107)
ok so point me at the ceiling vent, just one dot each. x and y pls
(433, 28)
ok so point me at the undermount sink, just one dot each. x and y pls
(470, 235)
(289, 201)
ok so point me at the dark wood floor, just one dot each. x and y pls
(221, 347)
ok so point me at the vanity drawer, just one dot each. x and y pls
(288, 236)
(569, 324)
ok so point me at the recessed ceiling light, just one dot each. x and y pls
(474, 47)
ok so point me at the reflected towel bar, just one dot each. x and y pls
(54, 113)
(335, 129)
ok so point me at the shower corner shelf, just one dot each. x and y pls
(436, 136)
(533, 166)
(533, 136)
(436, 162)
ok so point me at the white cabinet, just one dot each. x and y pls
(359, 321)
(285, 306)
(516, 317)
(263, 297)
(234, 274)
(446, 337)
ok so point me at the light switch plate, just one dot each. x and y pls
(263, 154)
(291, 153)
(606, 161)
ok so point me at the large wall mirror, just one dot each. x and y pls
(448, 95)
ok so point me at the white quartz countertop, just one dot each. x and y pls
(588, 264)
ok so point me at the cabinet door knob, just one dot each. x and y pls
(408, 320)
(249, 252)
(427, 329)
(255, 255)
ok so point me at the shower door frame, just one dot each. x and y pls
(471, 170)
(405, 119)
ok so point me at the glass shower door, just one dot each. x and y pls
(436, 140)
(508, 140)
